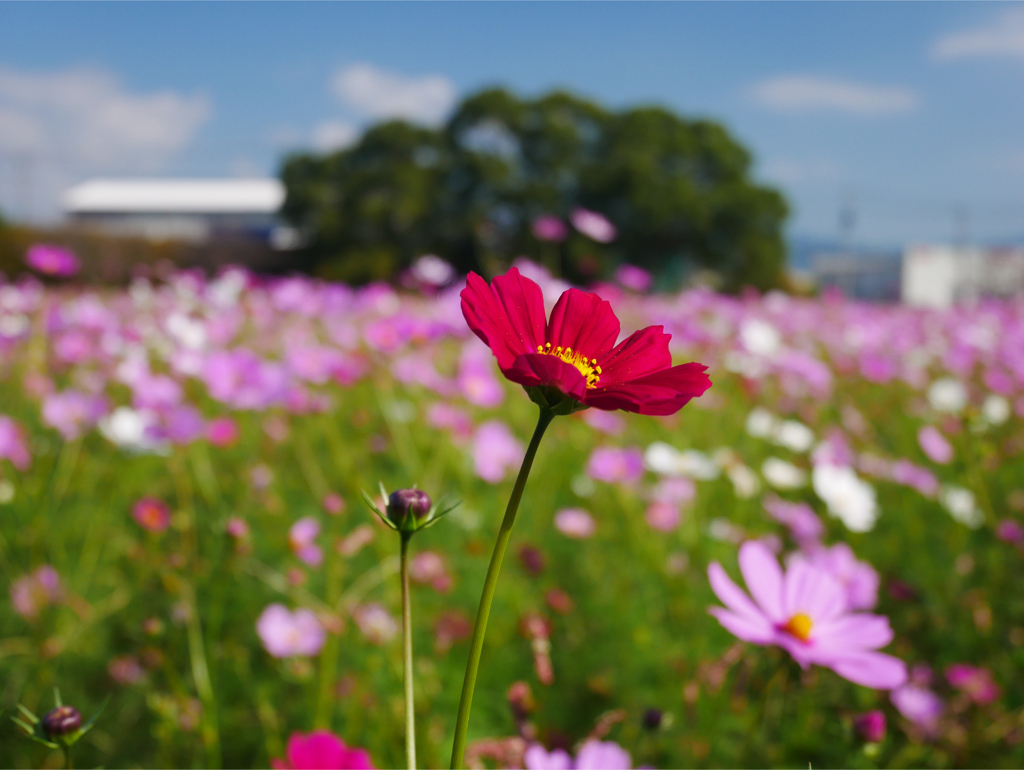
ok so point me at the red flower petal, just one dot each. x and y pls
(584, 322)
(508, 315)
(660, 393)
(641, 353)
(539, 369)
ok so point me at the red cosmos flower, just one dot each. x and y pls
(575, 350)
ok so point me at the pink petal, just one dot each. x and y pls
(858, 631)
(763, 576)
(758, 631)
(813, 591)
(731, 595)
(871, 669)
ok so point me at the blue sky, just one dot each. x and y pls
(910, 115)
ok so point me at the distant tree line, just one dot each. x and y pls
(678, 192)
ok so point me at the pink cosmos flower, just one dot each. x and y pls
(72, 411)
(606, 422)
(549, 228)
(806, 612)
(222, 432)
(575, 523)
(126, 670)
(662, 516)
(975, 681)
(333, 503)
(375, 622)
(32, 593)
(321, 750)
(935, 445)
(285, 633)
(49, 259)
(919, 705)
(801, 520)
(429, 568)
(12, 443)
(593, 225)
(495, 451)
(633, 277)
(476, 378)
(592, 755)
(301, 536)
(152, 514)
(616, 466)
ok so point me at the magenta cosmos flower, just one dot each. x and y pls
(574, 351)
(806, 612)
(321, 750)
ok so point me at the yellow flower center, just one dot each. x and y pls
(799, 626)
(586, 366)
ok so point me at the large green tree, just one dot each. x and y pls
(679, 192)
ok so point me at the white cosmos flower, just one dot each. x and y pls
(947, 395)
(760, 423)
(794, 435)
(783, 475)
(995, 409)
(666, 460)
(126, 427)
(760, 337)
(849, 498)
(961, 505)
(744, 481)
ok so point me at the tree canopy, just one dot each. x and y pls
(679, 193)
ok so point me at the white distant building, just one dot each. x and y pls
(941, 276)
(193, 210)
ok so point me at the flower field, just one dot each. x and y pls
(819, 560)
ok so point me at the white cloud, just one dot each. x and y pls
(87, 120)
(62, 126)
(1004, 38)
(808, 93)
(377, 93)
(333, 135)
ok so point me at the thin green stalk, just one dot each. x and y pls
(67, 756)
(410, 703)
(490, 583)
(204, 687)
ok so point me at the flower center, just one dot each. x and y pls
(799, 626)
(586, 366)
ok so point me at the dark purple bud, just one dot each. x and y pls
(407, 506)
(532, 559)
(61, 721)
(652, 718)
(870, 726)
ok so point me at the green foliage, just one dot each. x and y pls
(679, 191)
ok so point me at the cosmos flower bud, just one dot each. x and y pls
(406, 507)
(61, 721)
(653, 718)
(410, 510)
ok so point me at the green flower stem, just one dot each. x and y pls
(490, 583)
(410, 705)
(67, 756)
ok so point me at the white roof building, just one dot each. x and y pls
(185, 209)
(941, 276)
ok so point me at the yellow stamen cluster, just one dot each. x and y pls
(799, 626)
(587, 366)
